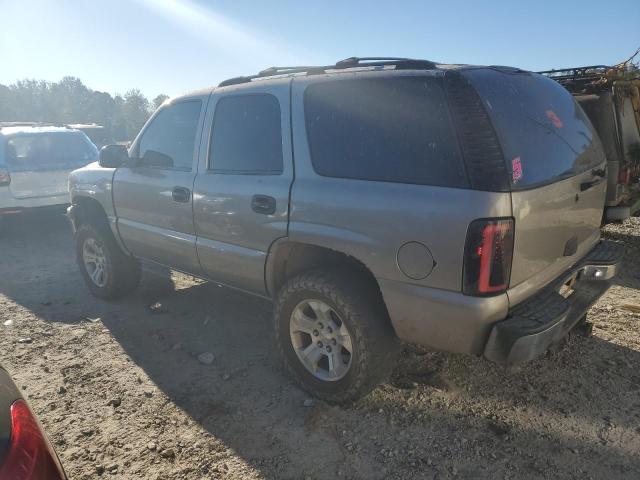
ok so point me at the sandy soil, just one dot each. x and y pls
(120, 390)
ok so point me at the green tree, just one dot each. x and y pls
(70, 101)
(159, 100)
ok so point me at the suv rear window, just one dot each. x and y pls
(46, 151)
(385, 129)
(544, 133)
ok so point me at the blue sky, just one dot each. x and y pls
(172, 46)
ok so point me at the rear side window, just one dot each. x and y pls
(544, 133)
(169, 140)
(44, 151)
(246, 135)
(386, 129)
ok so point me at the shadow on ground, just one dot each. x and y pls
(575, 413)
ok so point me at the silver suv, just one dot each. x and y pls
(375, 200)
(35, 162)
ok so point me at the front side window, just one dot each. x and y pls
(394, 129)
(33, 151)
(169, 140)
(246, 136)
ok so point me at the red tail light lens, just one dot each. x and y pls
(30, 456)
(488, 256)
(5, 178)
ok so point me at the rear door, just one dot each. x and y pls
(556, 166)
(241, 193)
(153, 197)
(40, 163)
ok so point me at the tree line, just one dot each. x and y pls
(70, 101)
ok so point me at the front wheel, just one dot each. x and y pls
(333, 334)
(107, 270)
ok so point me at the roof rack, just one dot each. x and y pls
(351, 62)
(577, 79)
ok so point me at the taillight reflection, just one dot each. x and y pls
(5, 177)
(30, 455)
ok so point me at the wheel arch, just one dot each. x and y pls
(88, 210)
(288, 258)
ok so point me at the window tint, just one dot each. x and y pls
(168, 142)
(544, 133)
(393, 129)
(246, 135)
(49, 150)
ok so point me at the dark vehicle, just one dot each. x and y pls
(373, 200)
(96, 133)
(611, 100)
(25, 451)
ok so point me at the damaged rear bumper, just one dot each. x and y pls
(535, 324)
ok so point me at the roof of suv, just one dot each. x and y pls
(348, 64)
(18, 129)
(352, 65)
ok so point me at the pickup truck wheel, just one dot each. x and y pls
(107, 270)
(333, 334)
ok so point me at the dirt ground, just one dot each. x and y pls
(121, 392)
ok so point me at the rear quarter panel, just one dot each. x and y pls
(372, 220)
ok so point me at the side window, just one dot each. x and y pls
(395, 129)
(169, 140)
(246, 136)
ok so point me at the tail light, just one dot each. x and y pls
(30, 456)
(5, 178)
(488, 256)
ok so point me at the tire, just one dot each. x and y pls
(359, 307)
(122, 272)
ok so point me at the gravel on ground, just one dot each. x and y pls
(180, 381)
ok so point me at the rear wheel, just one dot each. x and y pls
(333, 334)
(107, 270)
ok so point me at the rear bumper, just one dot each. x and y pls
(535, 324)
(9, 204)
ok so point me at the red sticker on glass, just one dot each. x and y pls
(555, 119)
(516, 169)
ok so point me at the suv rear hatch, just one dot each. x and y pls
(39, 163)
(555, 164)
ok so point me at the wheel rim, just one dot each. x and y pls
(94, 262)
(321, 340)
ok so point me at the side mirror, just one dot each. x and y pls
(113, 156)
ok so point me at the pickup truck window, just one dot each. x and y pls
(387, 129)
(246, 135)
(169, 140)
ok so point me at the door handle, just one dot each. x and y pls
(587, 185)
(263, 204)
(181, 194)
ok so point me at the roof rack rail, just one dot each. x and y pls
(351, 62)
(575, 72)
(588, 79)
(399, 62)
